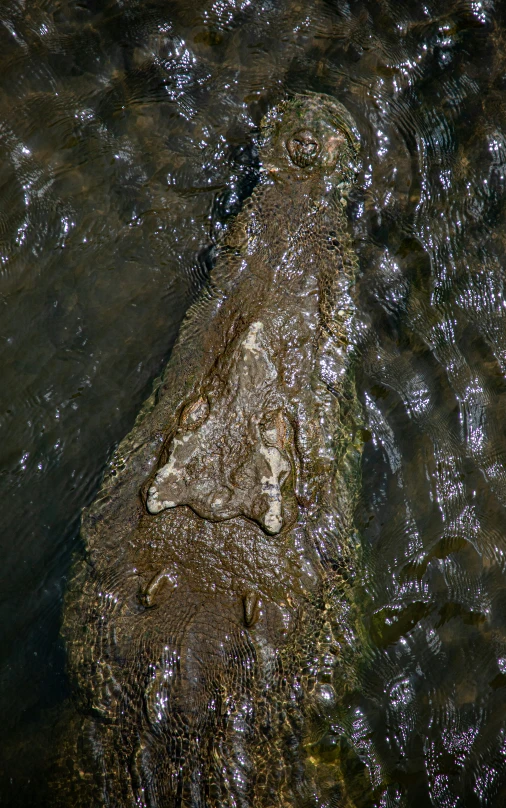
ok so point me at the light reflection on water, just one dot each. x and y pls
(120, 125)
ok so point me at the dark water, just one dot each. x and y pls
(126, 132)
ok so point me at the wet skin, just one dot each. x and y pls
(209, 626)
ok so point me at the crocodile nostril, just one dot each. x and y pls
(303, 148)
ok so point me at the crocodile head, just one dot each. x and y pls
(210, 629)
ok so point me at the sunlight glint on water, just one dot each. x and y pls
(126, 134)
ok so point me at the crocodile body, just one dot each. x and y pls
(209, 627)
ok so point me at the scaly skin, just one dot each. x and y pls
(210, 625)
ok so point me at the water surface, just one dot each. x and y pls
(126, 142)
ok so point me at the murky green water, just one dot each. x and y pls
(126, 133)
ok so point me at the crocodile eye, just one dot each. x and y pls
(304, 148)
(195, 413)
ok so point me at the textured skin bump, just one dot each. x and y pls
(210, 624)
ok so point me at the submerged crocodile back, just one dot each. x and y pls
(210, 627)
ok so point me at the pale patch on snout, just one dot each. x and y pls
(271, 486)
(228, 457)
(251, 342)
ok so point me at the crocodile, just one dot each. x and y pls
(210, 626)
